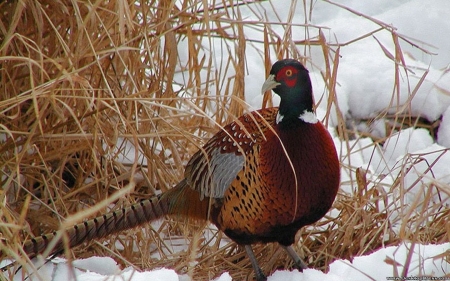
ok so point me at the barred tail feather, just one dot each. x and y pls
(126, 218)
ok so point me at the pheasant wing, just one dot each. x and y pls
(212, 169)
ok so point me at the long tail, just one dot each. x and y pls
(181, 200)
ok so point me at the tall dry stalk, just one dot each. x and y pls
(98, 96)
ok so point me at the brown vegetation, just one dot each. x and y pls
(100, 97)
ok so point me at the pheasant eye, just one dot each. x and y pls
(289, 73)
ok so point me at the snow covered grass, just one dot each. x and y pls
(95, 98)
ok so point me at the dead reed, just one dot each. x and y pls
(96, 96)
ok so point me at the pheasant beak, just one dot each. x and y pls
(269, 84)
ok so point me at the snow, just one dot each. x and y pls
(365, 88)
(444, 133)
(387, 262)
(390, 261)
(401, 143)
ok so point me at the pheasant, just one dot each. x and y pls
(259, 180)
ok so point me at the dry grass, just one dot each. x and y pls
(83, 82)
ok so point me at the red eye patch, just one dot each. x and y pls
(288, 75)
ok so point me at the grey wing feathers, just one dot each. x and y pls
(215, 173)
(212, 169)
